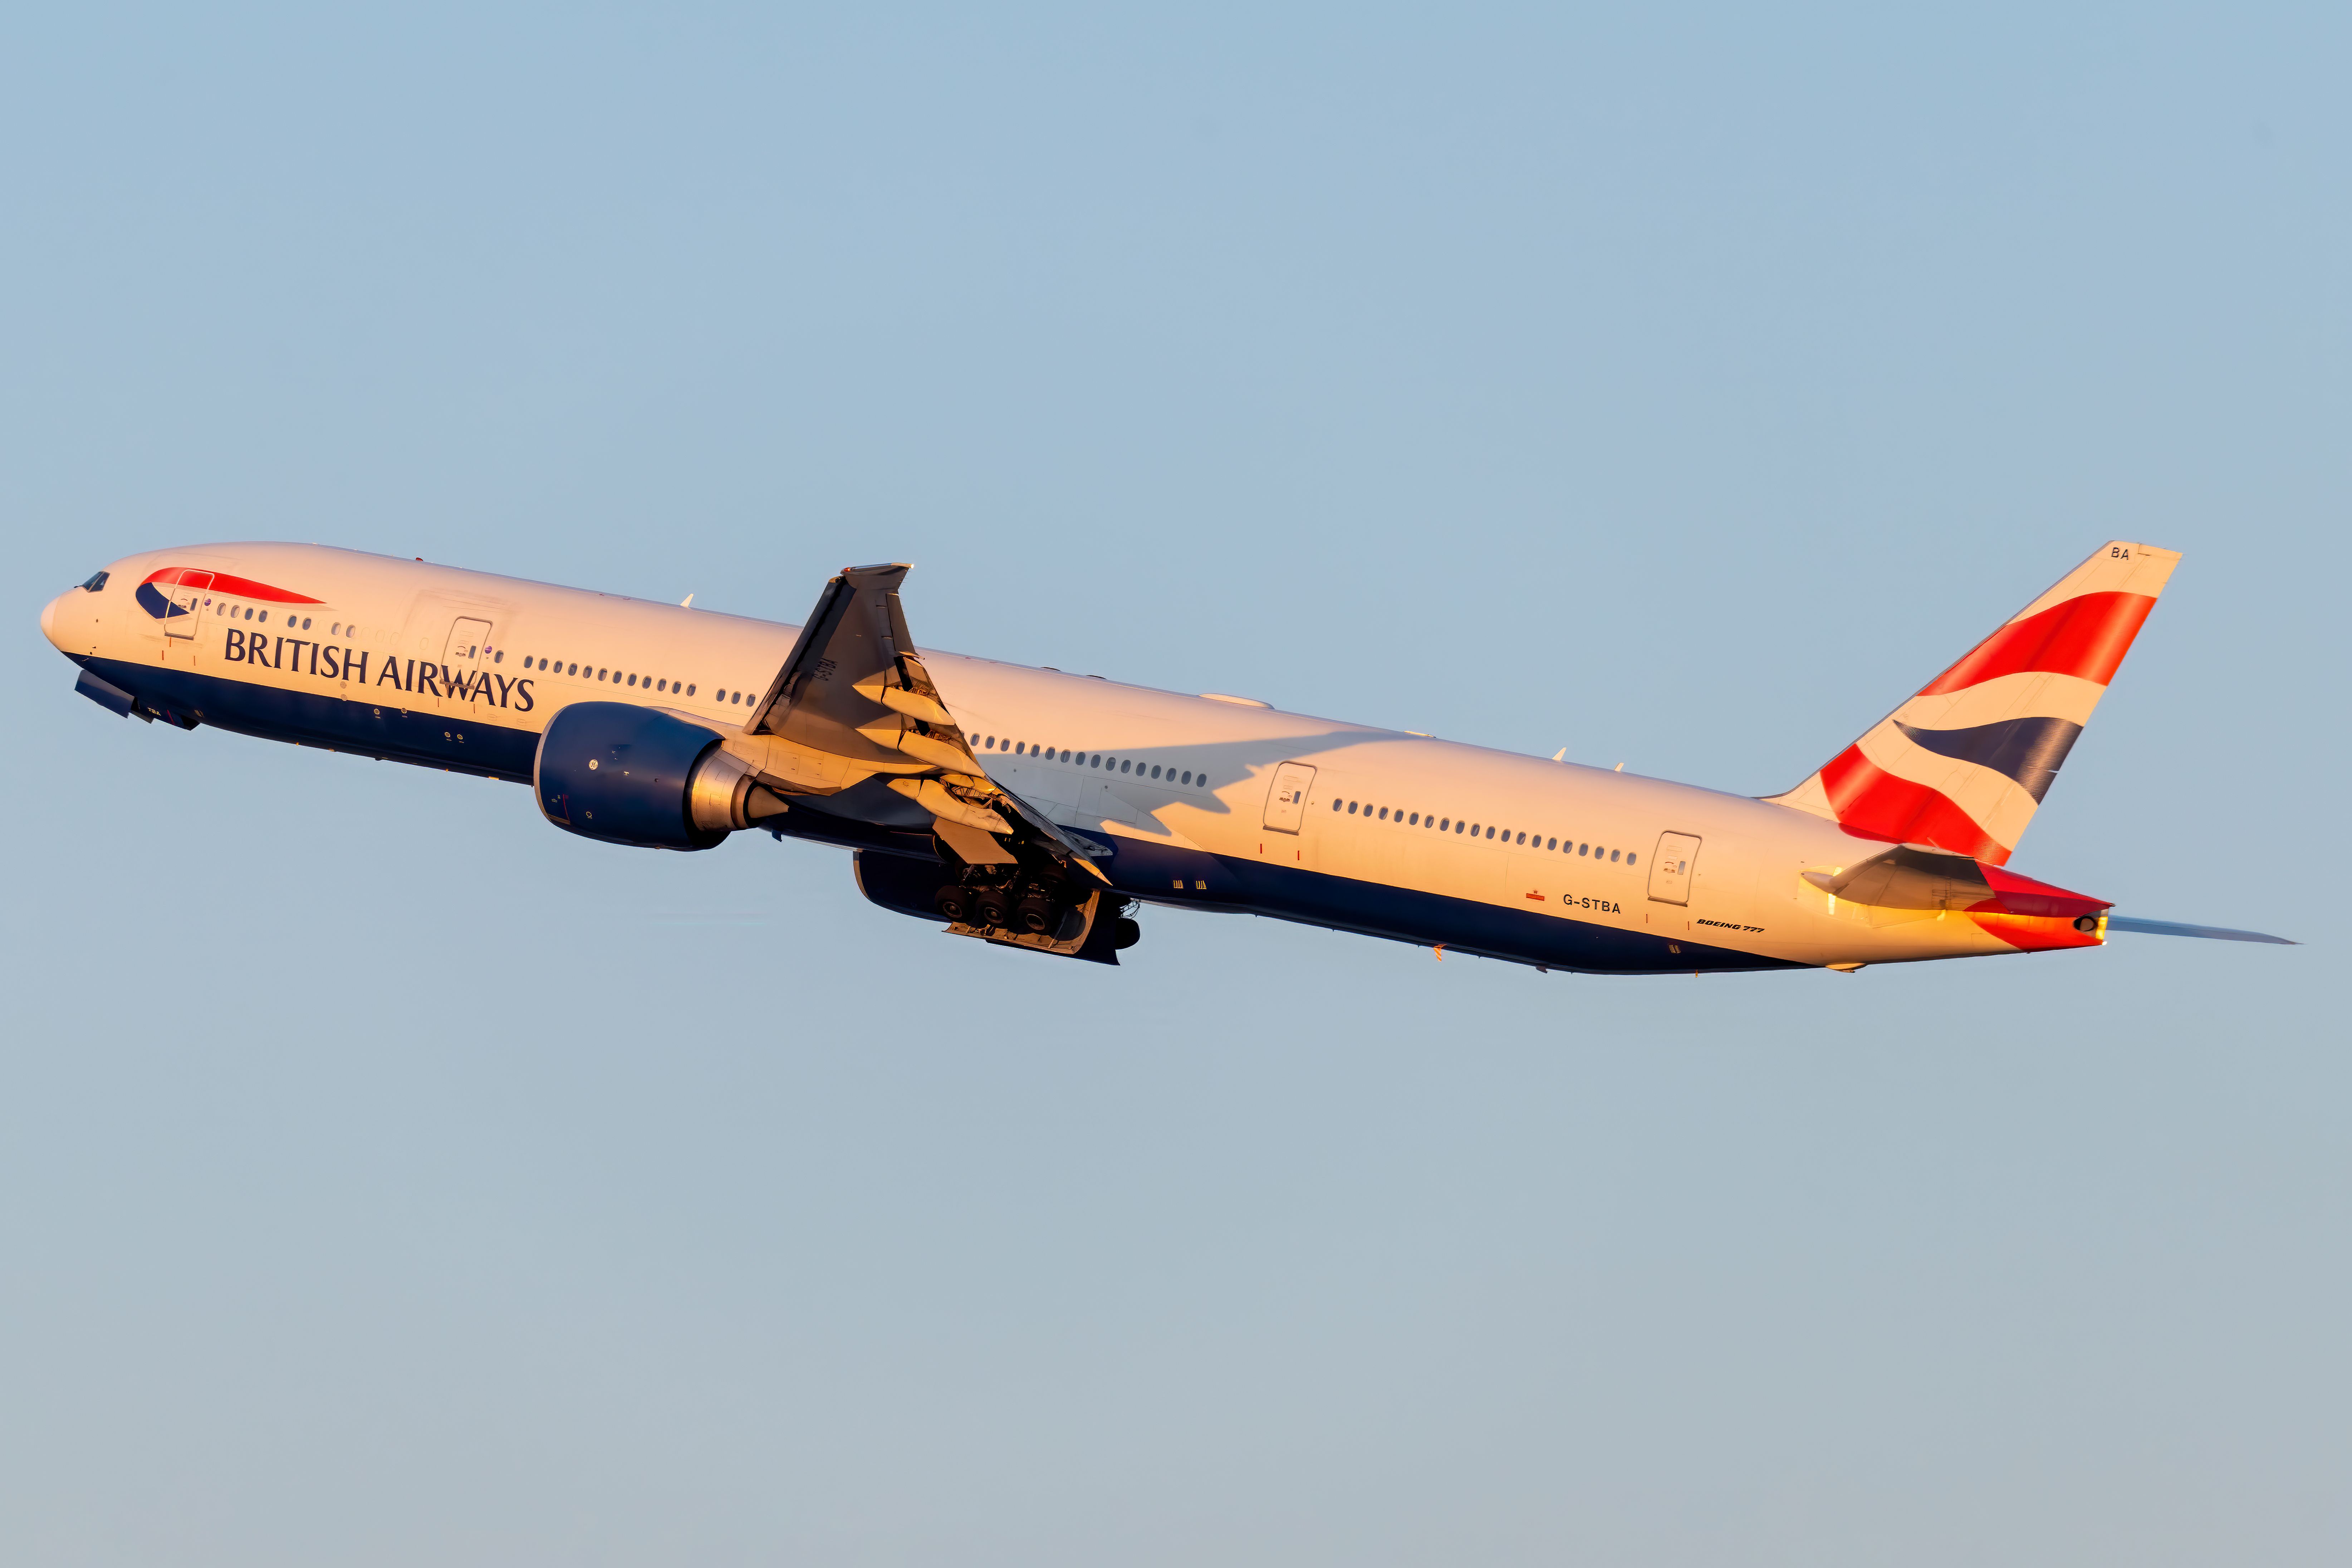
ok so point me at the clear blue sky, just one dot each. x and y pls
(387, 1178)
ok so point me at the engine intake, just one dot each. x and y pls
(622, 773)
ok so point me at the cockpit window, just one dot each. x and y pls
(97, 581)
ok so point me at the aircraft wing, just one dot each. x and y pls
(854, 717)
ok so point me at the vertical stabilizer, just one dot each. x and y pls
(1962, 766)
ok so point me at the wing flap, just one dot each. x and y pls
(855, 702)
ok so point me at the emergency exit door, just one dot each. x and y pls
(1671, 867)
(1285, 800)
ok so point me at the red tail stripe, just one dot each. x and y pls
(2087, 636)
(2031, 933)
(1872, 803)
(236, 587)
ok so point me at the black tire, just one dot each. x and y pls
(1038, 915)
(954, 902)
(991, 908)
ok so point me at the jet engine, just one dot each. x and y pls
(627, 775)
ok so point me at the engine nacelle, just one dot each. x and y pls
(627, 774)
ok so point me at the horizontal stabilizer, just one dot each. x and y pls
(2173, 928)
(1914, 877)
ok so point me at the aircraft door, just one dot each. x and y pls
(1670, 866)
(1285, 801)
(466, 640)
(186, 599)
(467, 651)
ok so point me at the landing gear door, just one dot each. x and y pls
(1285, 801)
(1671, 867)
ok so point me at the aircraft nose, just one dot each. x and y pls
(50, 620)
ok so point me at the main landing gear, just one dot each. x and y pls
(1024, 904)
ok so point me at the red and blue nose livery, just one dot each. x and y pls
(171, 592)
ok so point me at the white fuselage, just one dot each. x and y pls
(1385, 812)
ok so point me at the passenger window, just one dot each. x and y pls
(264, 617)
(1155, 770)
(1628, 859)
(1336, 805)
(306, 623)
(690, 690)
(1612, 854)
(1553, 844)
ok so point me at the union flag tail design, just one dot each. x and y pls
(1963, 764)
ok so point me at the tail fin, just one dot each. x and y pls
(1963, 764)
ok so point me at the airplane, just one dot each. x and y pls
(1038, 809)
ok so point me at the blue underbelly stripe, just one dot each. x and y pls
(463, 742)
(1145, 870)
